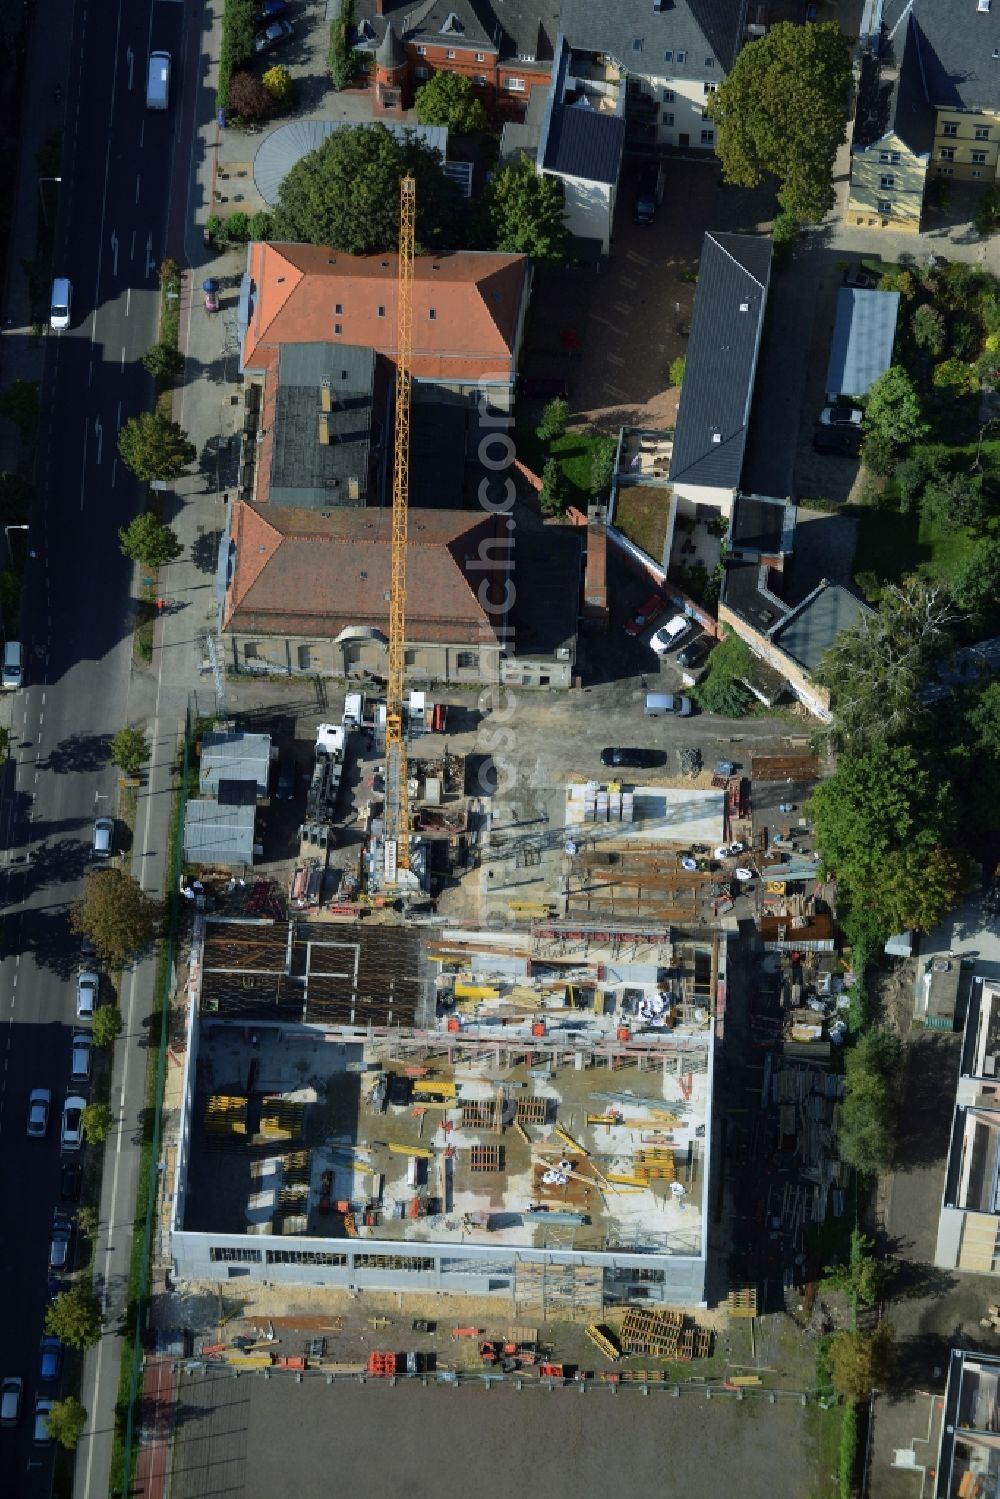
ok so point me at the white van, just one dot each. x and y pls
(158, 81)
(12, 672)
(62, 301)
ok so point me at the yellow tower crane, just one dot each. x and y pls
(397, 801)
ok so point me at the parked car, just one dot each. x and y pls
(71, 1137)
(672, 633)
(273, 36)
(695, 654)
(11, 1390)
(542, 387)
(103, 840)
(641, 759)
(861, 280)
(80, 1057)
(87, 987)
(285, 786)
(649, 192)
(61, 303)
(645, 614)
(272, 10)
(41, 1436)
(70, 1181)
(59, 1244)
(50, 1360)
(844, 442)
(88, 952)
(841, 414)
(38, 1113)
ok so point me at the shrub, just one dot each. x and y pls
(913, 472)
(602, 465)
(261, 225)
(987, 213)
(555, 418)
(929, 329)
(280, 84)
(239, 23)
(965, 340)
(238, 228)
(340, 58)
(163, 361)
(723, 695)
(953, 375)
(677, 368)
(554, 494)
(248, 98)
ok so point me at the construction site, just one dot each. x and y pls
(524, 1114)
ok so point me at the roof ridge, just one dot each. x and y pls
(716, 236)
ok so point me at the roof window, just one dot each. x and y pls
(452, 25)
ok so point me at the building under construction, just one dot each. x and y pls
(523, 1114)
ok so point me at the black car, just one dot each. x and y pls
(695, 654)
(69, 1182)
(842, 441)
(285, 788)
(639, 758)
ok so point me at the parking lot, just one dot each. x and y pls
(253, 1438)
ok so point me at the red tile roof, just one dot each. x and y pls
(313, 573)
(476, 298)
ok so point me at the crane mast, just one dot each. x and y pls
(397, 802)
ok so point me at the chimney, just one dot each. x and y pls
(380, 7)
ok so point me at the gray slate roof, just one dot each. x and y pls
(216, 834)
(809, 631)
(891, 98)
(583, 143)
(304, 471)
(516, 28)
(711, 429)
(287, 145)
(957, 43)
(230, 755)
(701, 28)
(863, 336)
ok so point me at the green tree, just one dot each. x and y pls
(893, 411)
(260, 226)
(154, 447)
(868, 1113)
(248, 98)
(527, 213)
(106, 1026)
(554, 495)
(913, 472)
(951, 501)
(602, 465)
(914, 891)
(450, 99)
(163, 361)
(129, 749)
(86, 1220)
(723, 695)
(279, 84)
(677, 369)
(784, 233)
(929, 330)
(956, 376)
(345, 194)
(876, 671)
(117, 915)
(19, 404)
(862, 1361)
(74, 1317)
(66, 1421)
(987, 213)
(864, 1277)
(148, 541)
(782, 110)
(555, 419)
(98, 1122)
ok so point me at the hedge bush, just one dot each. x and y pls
(239, 23)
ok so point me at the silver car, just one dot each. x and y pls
(72, 1122)
(87, 985)
(38, 1113)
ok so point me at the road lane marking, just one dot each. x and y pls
(128, 291)
(123, 355)
(114, 252)
(138, 180)
(130, 59)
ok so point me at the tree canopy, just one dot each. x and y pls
(862, 1361)
(74, 1316)
(129, 749)
(148, 541)
(98, 1122)
(782, 110)
(877, 670)
(117, 915)
(893, 416)
(154, 447)
(867, 1133)
(884, 823)
(526, 212)
(66, 1421)
(450, 99)
(345, 194)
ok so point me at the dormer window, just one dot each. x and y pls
(452, 25)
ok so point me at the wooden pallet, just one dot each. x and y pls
(532, 1110)
(481, 1113)
(742, 1301)
(486, 1158)
(655, 1164)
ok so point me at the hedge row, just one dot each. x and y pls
(239, 24)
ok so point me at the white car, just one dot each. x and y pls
(840, 414)
(80, 1056)
(41, 1436)
(38, 1113)
(87, 984)
(72, 1122)
(672, 633)
(61, 304)
(104, 832)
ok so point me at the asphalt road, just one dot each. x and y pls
(111, 225)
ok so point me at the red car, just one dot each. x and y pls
(643, 617)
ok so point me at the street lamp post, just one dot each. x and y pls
(41, 197)
(6, 531)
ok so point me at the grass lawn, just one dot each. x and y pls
(641, 514)
(893, 545)
(574, 452)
